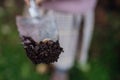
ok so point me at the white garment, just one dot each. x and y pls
(69, 26)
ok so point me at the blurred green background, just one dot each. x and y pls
(104, 51)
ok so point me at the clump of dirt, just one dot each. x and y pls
(46, 51)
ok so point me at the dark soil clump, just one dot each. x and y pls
(42, 52)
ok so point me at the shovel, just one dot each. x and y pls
(39, 35)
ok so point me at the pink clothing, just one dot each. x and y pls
(72, 6)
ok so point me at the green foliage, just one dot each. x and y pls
(104, 52)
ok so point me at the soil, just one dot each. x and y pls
(46, 51)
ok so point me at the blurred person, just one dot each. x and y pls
(68, 14)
